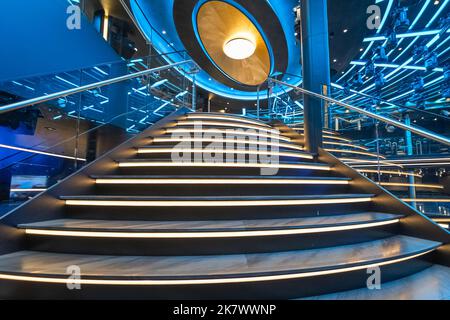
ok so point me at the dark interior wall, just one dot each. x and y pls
(35, 40)
(446, 182)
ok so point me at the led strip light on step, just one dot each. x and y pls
(225, 151)
(346, 145)
(218, 234)
(226, 124)
(225, 133)
(219, 181)
(28, 190)
(230, 141)
(337, 138)
(369, 154)
(222, 165)
(416, 185)
(427, 200)
(213, 203)
(398, 173)
(363, 163)
(218, 117)
(84, 281)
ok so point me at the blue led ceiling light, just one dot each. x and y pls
(435, 40)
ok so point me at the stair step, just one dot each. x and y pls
(172, 179)
(216, 116)
(219, 275)
(261, 143)
(222, 201)
(357, 152)
(432, 283)
(187, 130)
(335, 144)
(226, 124)
(243, 151)
(208, 229)
(170, 163)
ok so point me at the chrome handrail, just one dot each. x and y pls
(419, 131)
(368, 96)
(65, 93)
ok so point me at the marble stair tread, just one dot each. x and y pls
(432, 283)
(34, 263)
(216, 198)
(210, 226)
(222, 122)
(158, 145)
(263, 145)
(186, 127)
(222, 117)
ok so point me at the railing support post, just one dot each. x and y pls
(410, 151)
(194, 93)
(316, 67)
(258, 103)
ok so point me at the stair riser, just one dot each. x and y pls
(282, 289)
(219, 190)
(211, 213)
(205, 246)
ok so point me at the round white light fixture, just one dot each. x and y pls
(239, 48)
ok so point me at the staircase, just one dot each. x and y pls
(138, 224)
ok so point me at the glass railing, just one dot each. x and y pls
(388, 147)
(42, 143)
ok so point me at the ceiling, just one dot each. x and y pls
(347, 34)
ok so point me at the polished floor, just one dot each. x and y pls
(429, 284)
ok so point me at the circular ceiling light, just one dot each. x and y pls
(239, 48)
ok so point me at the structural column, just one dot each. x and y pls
(316, 67)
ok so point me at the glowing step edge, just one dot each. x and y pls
(219, 234)
(226, 132)
(84, 281)
(345, 145)
(223, 165)
(369, 154)
(212, 203)
(224, 151)
(220, 181)
(416, 185)
(230, 141)
(226, 124)
(398, 173)
(218, 117)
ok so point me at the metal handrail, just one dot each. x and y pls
(65, 93)
(365, 95)
(419, 131)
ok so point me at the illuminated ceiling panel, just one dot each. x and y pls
(168, 23)
(223, 27)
